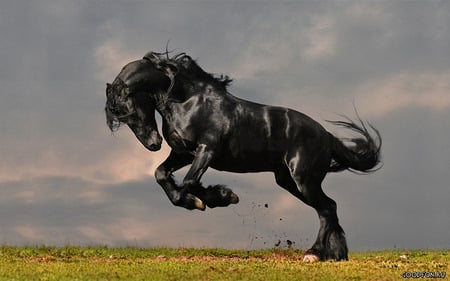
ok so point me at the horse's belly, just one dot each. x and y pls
(241, 168)
(251, 163)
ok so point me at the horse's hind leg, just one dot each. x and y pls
(330, 242)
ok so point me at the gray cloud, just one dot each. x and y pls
(65, 179)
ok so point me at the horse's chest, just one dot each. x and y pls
(179, 128)
(179, 139)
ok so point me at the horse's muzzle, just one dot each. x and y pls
(154, 143)
(154, 147)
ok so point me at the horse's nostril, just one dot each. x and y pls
(154, 146)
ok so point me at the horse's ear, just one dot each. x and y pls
(152, 57)
(148, 55)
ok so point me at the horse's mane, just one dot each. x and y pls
(182, 64)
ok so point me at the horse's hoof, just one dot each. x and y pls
(199, 204)
(310, 258)
(234, 199)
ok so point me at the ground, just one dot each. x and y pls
(101, 263)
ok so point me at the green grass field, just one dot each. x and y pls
(101, 263)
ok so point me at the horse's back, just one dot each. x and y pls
(277, 125)
(262, 136)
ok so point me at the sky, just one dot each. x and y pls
(65, 179)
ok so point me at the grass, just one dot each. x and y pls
(102, 263)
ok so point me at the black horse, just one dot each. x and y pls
(206, 126)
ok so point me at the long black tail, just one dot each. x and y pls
(362, 155)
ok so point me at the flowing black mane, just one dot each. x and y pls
(183, 65)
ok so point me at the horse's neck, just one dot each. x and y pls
(167, 103)
(175, 104)
(185, 92)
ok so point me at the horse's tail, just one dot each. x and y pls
(363, 155)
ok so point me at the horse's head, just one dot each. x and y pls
(144, 84)
(129, 101)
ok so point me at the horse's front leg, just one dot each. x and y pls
(202, 159)
(179, 196)
(213, 196)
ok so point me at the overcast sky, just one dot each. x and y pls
(65, 179)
